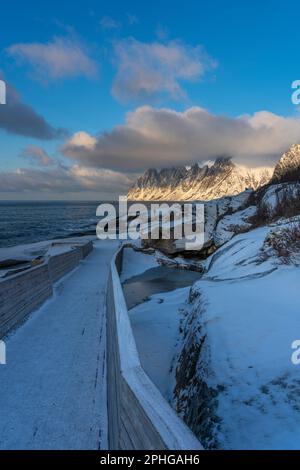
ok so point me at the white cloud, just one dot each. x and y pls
(37, 155)
(100, 179)
(63, 57)
(153, 70)
(163, 137)
(83, 139)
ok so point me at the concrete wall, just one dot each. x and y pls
(24, 292)
(138, 415)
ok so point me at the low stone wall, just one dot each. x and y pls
(22, 293)
(138, 415)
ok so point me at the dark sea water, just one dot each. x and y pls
(28, 222)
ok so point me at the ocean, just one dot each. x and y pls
(28, 222)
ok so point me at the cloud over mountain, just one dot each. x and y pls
(163, 137)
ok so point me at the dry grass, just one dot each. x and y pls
(285, 243)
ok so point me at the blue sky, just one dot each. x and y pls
(230, 58)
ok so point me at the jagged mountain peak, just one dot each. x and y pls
(223, 162)
(288, 167)
(222, 178)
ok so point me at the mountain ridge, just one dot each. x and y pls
(222, 178)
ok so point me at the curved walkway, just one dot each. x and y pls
(53, 387)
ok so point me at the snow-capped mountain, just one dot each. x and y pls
(288, 167)
(223, 178)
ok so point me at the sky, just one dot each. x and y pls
(97, 91)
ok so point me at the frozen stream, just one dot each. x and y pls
(156, 280)
(156, 296)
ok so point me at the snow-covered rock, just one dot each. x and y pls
(232, 224)
(216, 233)
(288, 167)
(236, 385)
(276, 195)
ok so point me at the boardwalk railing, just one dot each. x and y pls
(24, 292)
(138, 415)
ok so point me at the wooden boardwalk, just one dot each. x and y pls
(53, 387)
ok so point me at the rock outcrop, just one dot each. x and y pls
(288, 167)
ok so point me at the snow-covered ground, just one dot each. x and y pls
(53, 387)
(245, 310)
(245, 314)
(155, 324)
